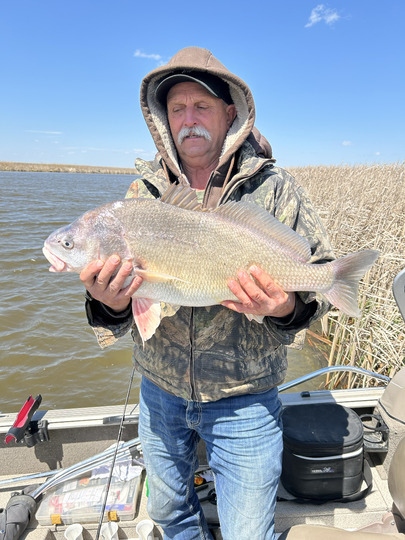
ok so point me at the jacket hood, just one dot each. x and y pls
(185, 61)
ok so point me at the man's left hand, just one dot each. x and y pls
(262, 296)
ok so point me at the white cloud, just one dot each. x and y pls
(347, 143)
(322, 14)
(139, 54)
(43, 132)
(159, 59)
(86, 149)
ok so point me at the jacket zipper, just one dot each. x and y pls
(222, 199)
(233, 187)
(192, 374)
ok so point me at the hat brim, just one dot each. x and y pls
(164, 86)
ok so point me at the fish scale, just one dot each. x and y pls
(191, 259)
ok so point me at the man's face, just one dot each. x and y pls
(189, 105)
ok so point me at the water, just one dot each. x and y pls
(46, 345)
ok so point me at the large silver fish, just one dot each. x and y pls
(186, 255)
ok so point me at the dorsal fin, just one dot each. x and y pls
(247, 214)
(182, 197)
(257, 219)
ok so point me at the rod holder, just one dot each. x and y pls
(144, 529)
(109, 530)
(74, 532)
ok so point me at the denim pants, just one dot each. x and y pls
(243, 437)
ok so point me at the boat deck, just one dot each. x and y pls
(348, 516)
(78, 437)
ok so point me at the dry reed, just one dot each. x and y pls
(364, 207)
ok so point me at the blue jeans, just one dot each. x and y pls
(243, 437)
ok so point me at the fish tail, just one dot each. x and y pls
(348, 271)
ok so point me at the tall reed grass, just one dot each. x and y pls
(363, 207)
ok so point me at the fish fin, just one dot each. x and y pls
(257, 318)
(168, 310)
(257, 219)
(155, 277)
(348, 271)
(182, 197)
(146, 316)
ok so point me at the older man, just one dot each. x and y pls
(211, 373)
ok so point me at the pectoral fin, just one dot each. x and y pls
(155, 277)
(147, 316)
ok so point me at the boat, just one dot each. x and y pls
(56, 457)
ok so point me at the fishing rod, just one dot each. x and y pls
(92, 462)
(13, 527)
(100, 523)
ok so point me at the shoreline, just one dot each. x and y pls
(12, 166)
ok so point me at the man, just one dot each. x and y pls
(211, 373)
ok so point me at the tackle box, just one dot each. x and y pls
(81, 501)
(323, 451)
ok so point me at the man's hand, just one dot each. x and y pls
(262, 296)
(98, 279)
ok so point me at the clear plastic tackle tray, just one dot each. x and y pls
(81, 501)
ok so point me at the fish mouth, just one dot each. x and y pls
(57, 264)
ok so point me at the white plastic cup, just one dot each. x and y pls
(144, 529)
(109, 530)
(74, 532)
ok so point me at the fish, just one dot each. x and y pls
(187, 254)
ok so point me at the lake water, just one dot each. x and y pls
(46, 345)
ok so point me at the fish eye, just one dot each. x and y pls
(67, 243)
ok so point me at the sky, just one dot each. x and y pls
(328, 79)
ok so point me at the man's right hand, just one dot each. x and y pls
(98, 279)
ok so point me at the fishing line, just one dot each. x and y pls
(100, 523)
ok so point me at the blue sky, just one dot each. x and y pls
(328, 78)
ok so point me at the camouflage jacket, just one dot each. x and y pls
(205, 354)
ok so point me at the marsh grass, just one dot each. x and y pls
(363, 207)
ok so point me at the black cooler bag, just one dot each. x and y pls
(323, 451)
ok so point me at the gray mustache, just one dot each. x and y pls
(196, 130)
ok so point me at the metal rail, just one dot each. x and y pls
(398, 289)
(83, 466)
(331, 369)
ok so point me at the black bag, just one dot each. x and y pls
(323, 457)
(14, 518)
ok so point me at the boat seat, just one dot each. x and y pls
(319, 532)
(396, 485)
